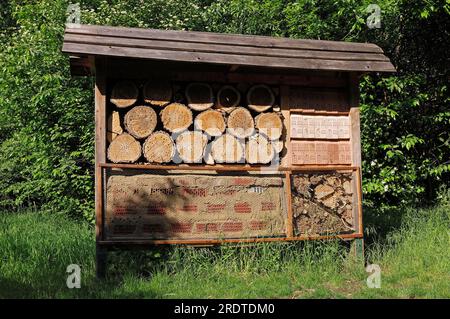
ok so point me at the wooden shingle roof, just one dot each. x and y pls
(82, 41)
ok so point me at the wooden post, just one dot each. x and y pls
(357, 249)
(100, 157)
(355, 139)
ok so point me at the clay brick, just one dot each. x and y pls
(190, 208)
(195, 192)
(206, 227)
(320, 127)
(258, 224)
(242, 207)
(124, 229)
(232, 226)
(181, 227)
(123, 210)
(265, 206)
(308, 152)
(157, 209)
(215, 208)
(152, 228)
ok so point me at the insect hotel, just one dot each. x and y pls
(206, 138)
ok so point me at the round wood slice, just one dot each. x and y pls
(176, 117)
(269, 124)
(227, 149)
(278, 145)
(124, 149)
(191, 146)
(124, 94)
(211, 122)
(228, 96)
(260, 98)
(259, 150)
(110, 136)
(159, 148)
(240, 123)
(157, 93)
(140, 121)
(199, 96)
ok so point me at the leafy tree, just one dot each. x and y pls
(46, 117)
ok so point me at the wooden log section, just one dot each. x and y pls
(240, 123)
(124, 94)
(157, 93)
(191, 146)
(113, 126)
(259, 150)
(278, 145)
(159, 148)
(210, 121)
(124, 149)
(260, 98)
(176, 117)
(227, 149)
(270, 125)
(228, 97)
(199, 96)
(140, 121)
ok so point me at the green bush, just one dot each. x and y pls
(46, 117)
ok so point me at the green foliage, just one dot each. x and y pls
(36, 248)
(46, 117)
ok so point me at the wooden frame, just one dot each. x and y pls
(289, 220)
(117, 53)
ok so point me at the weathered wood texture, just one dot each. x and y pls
(215, 48)
(100, 142)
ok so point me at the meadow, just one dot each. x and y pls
(411, 246)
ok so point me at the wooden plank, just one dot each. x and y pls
(355, 141)
(220, 58)
(284, 105)
(100, 141)
(139, 241)
(229, 168)
(185, 72)
(222, 38)
(106, 40)
(290, 212)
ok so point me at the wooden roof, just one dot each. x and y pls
(82, 41)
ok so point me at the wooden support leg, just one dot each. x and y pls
(101, 262)
(357, 249)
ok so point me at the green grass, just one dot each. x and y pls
(413, 253)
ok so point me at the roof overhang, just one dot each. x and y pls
(85, 42)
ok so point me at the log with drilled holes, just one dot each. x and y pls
(260, 98)
(157, 93)
(227, 149)
(270, 125)
(199, 96)
(240, 123)
(259, 150)
(124, 149)
(322, 203)
(228, 97)
(140, 121)
(176, 117)
(124, 94)
(210, 121)
(159, 148)
(191, 146)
